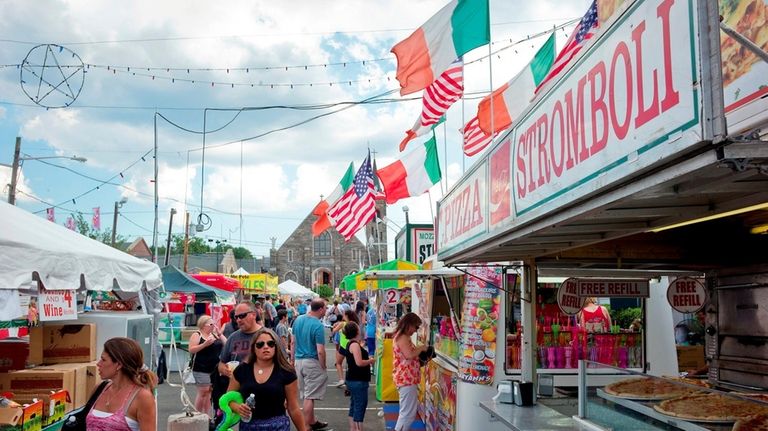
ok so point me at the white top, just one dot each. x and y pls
(133, 424)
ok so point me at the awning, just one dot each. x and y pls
(356, 282)
(175, 280)
(33, 248)
(218, 281)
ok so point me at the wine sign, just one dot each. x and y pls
(687, 294)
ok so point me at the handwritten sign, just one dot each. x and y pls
(58, 305)
(687, 294)
(568, 297)
(479, 324)
(613, 288)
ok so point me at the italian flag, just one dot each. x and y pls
(512, 98)
(412, 175)
(323, 222)
(459, 27)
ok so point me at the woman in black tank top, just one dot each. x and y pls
(358, 375)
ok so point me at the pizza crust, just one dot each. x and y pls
(645, 388)
(753, 423)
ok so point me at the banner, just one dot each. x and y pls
(258, 284)
(50, 214)
(479, 324)
(70, 224)
(97, 218)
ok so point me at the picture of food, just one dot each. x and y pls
(606, 9)
(750, 19)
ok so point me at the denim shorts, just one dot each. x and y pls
(358, 399)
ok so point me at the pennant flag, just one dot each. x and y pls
(459, 27)
(438, 97)
(50, 215)
(97, 218)
(512, 98)
(585, 29)
(475, 140)
(412, 175)
(70, 223)
(323, 222)
(357, 207)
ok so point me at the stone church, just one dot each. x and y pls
(328, 258)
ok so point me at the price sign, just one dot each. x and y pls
(391, 296)
(568, 297)
(57, 305)
(687, 294)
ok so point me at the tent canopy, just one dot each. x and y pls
(356, 281)
(175, 280)
(32, 248)
(241, 271)
(218, 281)
(291, 288)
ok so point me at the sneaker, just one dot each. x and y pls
(339, 384)
(318, 425)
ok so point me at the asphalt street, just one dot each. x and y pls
(333, 409)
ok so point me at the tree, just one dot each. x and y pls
(239, 252)
(105, 236)
(324, 290)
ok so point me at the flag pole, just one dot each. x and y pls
(431, 211)
(445, 151)
(490, 68)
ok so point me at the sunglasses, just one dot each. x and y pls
(260, 344)
(242, 315)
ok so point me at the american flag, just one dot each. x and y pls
(357, 207)
(585, 29)
(438, 97)
(97, 218)
(475, 140)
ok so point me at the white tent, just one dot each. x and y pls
(32, 248)
(241, 272)
(291, 288)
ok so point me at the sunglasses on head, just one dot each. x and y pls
(242, 315)
(260, 344)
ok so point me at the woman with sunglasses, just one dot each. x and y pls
(269, 376)
(205, 345)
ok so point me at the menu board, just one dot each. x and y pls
(480, 315)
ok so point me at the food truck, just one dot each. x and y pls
(640, 168)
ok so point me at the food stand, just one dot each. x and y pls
(393, 299)
(53, 265)
(628, 165)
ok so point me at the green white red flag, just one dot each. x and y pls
(413, 174)
(323, 222)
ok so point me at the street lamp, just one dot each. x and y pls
(118, 205)
(218, 249)
(17, 159)
(405, 210)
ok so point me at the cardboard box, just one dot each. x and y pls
(57, 344)
(690, 358)
(79, 393)
(54, 404)
(13, 355)
(27, 418)
(93, 378)
(35, 356)
(39, 381)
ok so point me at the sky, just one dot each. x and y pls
(277, 88)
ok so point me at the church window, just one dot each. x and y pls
(323, 244)
(290, 255)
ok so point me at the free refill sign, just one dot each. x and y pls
(57, 305)
(687, 294)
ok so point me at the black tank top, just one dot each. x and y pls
(355, 373)
(206, 360)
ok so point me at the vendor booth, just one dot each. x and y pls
(630, 181)
(392, 300)
(48, 275)
(295, 290)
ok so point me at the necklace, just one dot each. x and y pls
(260, 371)
(112, 394)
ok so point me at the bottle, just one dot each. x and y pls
(251, 403)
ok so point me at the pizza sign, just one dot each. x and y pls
(568, 297)
(58, 305)
(687, 294)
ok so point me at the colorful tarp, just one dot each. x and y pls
(355, 281)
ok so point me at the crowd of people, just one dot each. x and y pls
(277, 363)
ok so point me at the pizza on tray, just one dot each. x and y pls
(709, 408)
(752, 423)
(645, 388)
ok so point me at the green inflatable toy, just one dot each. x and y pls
(230, 417)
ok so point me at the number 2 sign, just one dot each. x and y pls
(392, 296)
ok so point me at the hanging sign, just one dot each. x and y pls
(479, 321)
(687, 294)
(57, 305)
(568, 297)
(613, 287)
(391, 296)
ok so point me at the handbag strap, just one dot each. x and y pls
(95, 396)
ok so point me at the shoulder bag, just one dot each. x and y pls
(76, 421)
(188, 376)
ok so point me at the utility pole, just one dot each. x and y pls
(14, 172)
(186, 240)
(168, 244)
(118, 205)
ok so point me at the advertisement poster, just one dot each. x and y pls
(478, 326)
(57, 305)
(439, 398)
(500, 196)
(743, 72)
